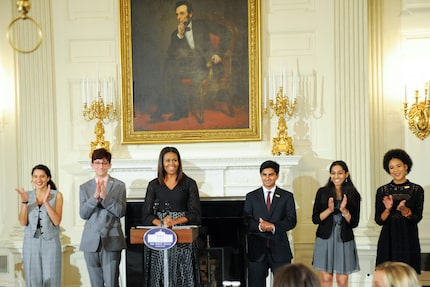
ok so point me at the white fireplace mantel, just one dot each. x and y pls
(216, 177)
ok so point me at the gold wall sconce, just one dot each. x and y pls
(101, 108)
(23, 9)
(418, 114)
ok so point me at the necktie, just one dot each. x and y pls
(268, 200)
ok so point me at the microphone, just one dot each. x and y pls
(155, 206)
(167, 208)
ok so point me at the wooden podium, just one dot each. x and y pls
(184, 234)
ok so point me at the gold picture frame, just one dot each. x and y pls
(228, 115)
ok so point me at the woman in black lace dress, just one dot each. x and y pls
(172, 199)
(399, 208)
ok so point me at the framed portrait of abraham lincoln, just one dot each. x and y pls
(190, 70)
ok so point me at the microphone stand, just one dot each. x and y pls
(164, 213)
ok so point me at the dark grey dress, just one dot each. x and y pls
(333, 255)
(182, 200)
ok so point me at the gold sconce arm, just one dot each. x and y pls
(418, 115)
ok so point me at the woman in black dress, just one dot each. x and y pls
(399, 208)
(172, 199)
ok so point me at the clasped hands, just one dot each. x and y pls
(167, 221)
(100, 192)
(266, 226)
(404, 210)
(342, 207)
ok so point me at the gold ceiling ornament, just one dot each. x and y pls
(418, 114)
(23, 9)
(283, 107)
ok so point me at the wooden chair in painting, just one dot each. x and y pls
(217, 91)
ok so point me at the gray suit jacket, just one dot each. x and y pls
(102, 217)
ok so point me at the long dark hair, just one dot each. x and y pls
(347, 187)
(48, 174)
(161, 172)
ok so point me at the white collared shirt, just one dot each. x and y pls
(189, 36)
(272, 193)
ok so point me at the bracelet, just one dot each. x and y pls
(24, 202)
(345, 215)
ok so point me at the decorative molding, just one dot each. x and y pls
(302, 43)
(416, 5)
(36, 112)
(280, 6)
(92, 51)
(351, 92)
(215, 177)
(83, 9)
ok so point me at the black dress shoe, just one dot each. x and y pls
(155, 118)
(176, 117)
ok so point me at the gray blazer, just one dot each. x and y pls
(102, 217)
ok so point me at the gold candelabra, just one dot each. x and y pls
(418, 115)
(104, 113)
(283, 107)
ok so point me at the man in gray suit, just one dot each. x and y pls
(102, 204)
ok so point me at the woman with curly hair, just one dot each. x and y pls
(398, 209)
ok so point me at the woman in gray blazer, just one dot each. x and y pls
(41, 212)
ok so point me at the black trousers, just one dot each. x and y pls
(258, 271)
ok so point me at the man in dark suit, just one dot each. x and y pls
(189, 55)
(102, 204)
(269, 213)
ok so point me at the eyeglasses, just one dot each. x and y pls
(101, 163)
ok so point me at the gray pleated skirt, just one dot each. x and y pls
(334, 256)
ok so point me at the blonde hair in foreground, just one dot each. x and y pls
(397, 274)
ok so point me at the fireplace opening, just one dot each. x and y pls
(224, 234)
(221, 242)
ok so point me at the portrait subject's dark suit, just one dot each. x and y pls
(186, 67)
(102, 229)
(260, 245)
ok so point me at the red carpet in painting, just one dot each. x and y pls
(212, 119)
